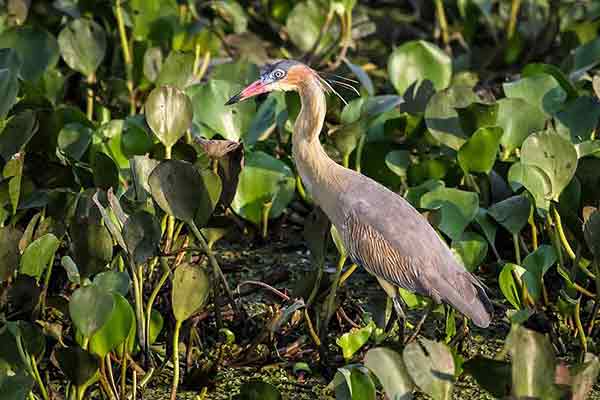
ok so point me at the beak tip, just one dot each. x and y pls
(233, 100)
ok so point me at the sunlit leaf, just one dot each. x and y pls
(511, 213)
(389, 368)
(38, 255)
(191, 287)
(478, 154)
(82, 45)
(352, 341)
(90, 307)
(113, 282)
(115, 330)
(458, 209)
(169, 114)
(431, 367)
(541, 90)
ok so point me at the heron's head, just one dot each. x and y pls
(281, 75)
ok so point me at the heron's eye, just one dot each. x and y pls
(278, 74)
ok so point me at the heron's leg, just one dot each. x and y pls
(419, 325)
(392, 291)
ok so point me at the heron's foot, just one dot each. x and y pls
(401, 318)
(460, 336)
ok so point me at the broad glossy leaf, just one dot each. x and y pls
(389, 368)
(71, 268)
(177, 70)
(492, 375)
(362, 76)
(539, 68)
(478, 154)
(208, 99)
(263, 179)
(10, 65)
(117, 282)
(212, 184)
(477, 115)
(258, 390)
(106, 172)
(518, 119)
(92, 247)
(178, 189)
(554, 155)
(507, 283)
(534, 180)
(115, 330)
(142, 235)
(38, 255)
(472, 249)
(441, 116)
(232, 12)
(431, 366)
(537, 263)
(141, 168)
(458, 209)
(304, 23)
(541, 90)
(416, 61)
(9, 251)
(191, 288)
(153, 61)
(511, 213)
(264, 120)
(90, 307)
(585, 57)
(570, 122)
(154, 19)
(74, 139)
(37, 49)
(82, 45)
(169, 114)
(17, 133)
(353, 382)
(487, 225)
(77, 364)
(351, 342)
(533, 364)
(398, 161)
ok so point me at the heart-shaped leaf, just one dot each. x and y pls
(142, 235)
(537, 263)
(191, 287)
(534, 180)
(542, 91)
(92, 247)
(115, 330)
(472, 249)
(353, 382)
(398, 161)
(38, 255)
(74, 139)
(82, 45)
(511, 213)
(431, 366)
(37, 49)
(389, 368)
(458, 209)
(177, 70)
(113, 282)
(477, 115)
(554, 155)
(507, 283)
(17, 133)
(416, 61)
(90, 307)
(78, 365)
(352, 341)
(478, 154)
(518, 119)
(169, 114)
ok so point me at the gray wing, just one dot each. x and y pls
(391, 239)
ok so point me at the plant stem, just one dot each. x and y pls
(580, 331)
(442, 21)
(37, 377)
(266, 210)
(155, 291)
(168, 152)
(46, 283)
(561, 233)
(512, 23)
(91, 79)
(333, 290)
(124, 370)
(126, 56)
(346, 160)
(359, 151)
(347, 274)
(534, 237)
(300, 189)
(175, 360)
(139, 313)
(517, 249)
(311, 329)
(213, 261)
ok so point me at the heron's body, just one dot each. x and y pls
(380, 229)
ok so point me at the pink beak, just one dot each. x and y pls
(254, 89)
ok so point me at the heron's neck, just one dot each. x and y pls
(319, 173)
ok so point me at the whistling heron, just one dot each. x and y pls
(380, 229)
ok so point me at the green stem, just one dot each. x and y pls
(37, 377)
(512, 23)
(46, 283)
(561, 232)
(85, 343)
(359, 151)
(139, 313)
(126, 56)
(168, 152)
(333, 291)
(443, 22)
(300, 189)
(175, 360)
(266, 210)
(517, 248)
(317, 285)
(155, 291)
(213, 262)
(90, 97)
(346, 160)
(580, 331)
(124, 371)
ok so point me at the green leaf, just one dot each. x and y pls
(177, 70)
(169, 114)
(15, 386)
(141, 168)
(233, 13)
(90, 307)
(416, 61)
(116, 282)
(353, 382)
(191, 287)
(478, 154)
(389, 368)
(9, 251)
(533, 364)
(472, 250)
(37, 49)
(477, 115)
(208, 99)
(585, 57)
(441, 116)
(106, 172)
(78, 365)
(153, 61)
(536, 264)
(17, 133)
(153, 19)
(554, 155)
(534, 180)
(511, 213)
(458, 209)
(92, 247)
(492, 375)
(263, 179)
(38, 255)
(518, 119)
(561, 78)
(13, 172)
(10, 65)
(541, 90)
(71, 268)
(352, 341)
(398, 161)
(177, 188)
(116, 329)
(507, 283)
(570, 122)
(258, 390)
(74, 139)
(142, 235)
(431, 366)
(304, 23)
(213, 185)
(82, 45)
